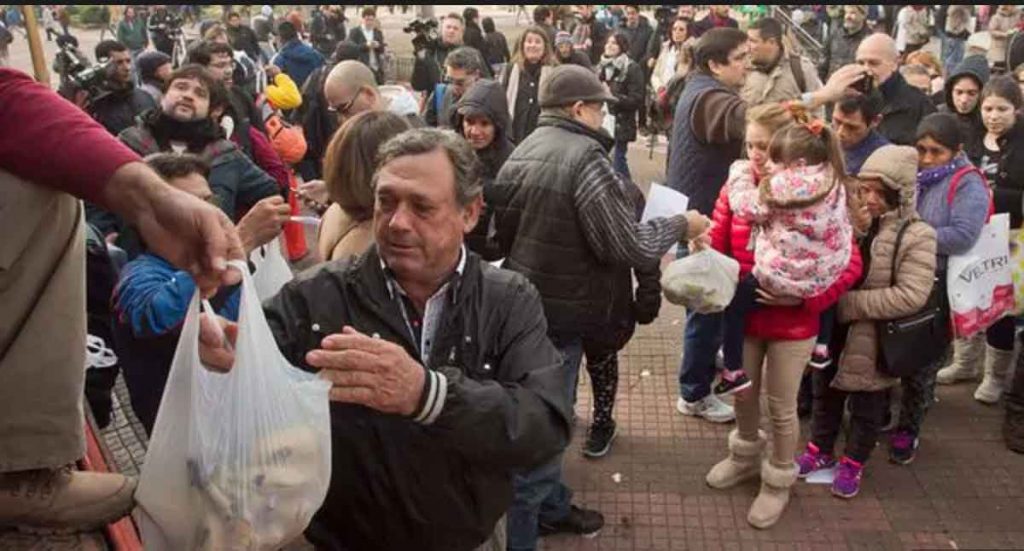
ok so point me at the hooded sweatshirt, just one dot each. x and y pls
(975, 67)
(487, 97)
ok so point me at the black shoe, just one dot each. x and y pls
(582, 522)
(726, 387)
(599, 440)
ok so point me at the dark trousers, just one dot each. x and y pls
(734, 322)
(603, 368)
(1013, 425)
(1001, 334)
(867, 413)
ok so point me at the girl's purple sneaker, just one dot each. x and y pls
(847, 481)
(813, 460)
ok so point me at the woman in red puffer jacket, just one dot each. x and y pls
(779, 337)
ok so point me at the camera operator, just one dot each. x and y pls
(118, 100)
(431, 51)
(164, 27)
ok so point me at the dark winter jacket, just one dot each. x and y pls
(905, 106)
(1008, 183)
(527, 107)
(597, 32)
(325, 32)
(539, 228)
(298, 60)
(975, 67)
(359, 38)
(487, 98)
(638, 39)
(628, 89)
(440, 111)
(856, 155)
(244, 38)
(840, 50)
(473, 36)
(436, 486)
(117, 110)
(712, 22)
(236, 181)
(707, 136)
(427, 70)
(496, 48)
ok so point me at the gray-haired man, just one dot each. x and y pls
(444, 379)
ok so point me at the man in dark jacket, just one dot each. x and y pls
(473, 36)
(370, 40)
(462, 67)
(855, 122)
(327, 29)
(905, 105)
(121, 101)
(183, 123)
(242, 37)
(841, 47)
(445, 382)
(564, 221)
(638, 31)
(429, 65)
(163, 28)
(567, 54)
(482, 118)
(963, 99)
(589, 34)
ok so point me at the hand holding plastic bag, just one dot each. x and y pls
(237, 460)
(703, 282)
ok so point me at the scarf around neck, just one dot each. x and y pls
(196, 134)
(931, 176)
(614, 68)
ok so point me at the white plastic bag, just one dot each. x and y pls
(703, 282)
(980, 281)
(271, 269)
(237, 460)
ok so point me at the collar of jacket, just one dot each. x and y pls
(600, 136)
(892, 89)
(769, 67)
(1012, 135)
(367, 277)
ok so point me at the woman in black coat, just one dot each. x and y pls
(625, 80)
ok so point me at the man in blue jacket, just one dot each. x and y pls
(296, 58)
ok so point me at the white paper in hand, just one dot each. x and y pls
(662, 202)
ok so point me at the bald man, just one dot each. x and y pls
(351, 88)
(905, 105)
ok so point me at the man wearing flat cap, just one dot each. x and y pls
(564, 220)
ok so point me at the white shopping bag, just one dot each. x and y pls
(271, 269)
(703, 282)
(981, 280)
(237, 460)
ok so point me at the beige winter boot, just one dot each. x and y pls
(968, 355)
(997, 364)
(63, 500)
(742, 464)
(771, 501)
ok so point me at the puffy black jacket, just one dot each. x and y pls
(398, 484)
(976, 67)
(538, 225)
(488, 98)
(1008, 184)
(905, 106)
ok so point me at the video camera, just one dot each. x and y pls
(169, 25)
(424, 31)
(78, 74)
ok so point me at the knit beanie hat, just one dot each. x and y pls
(562, 38)
(148, 62)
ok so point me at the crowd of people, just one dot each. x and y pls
(840, 186)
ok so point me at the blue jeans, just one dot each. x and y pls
(619, 159)
(540, 495)
(952, 52)
(701, 341)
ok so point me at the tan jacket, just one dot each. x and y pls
(876, 300)
(780, 84)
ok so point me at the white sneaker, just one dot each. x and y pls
(710, 408)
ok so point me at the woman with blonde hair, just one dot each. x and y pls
(533, 53)
(349, 164)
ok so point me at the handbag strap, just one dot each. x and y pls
(896, 250)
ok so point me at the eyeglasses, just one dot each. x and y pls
(344, 109)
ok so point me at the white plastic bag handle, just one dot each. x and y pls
(241, 267)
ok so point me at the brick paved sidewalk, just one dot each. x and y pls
(964, 491)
